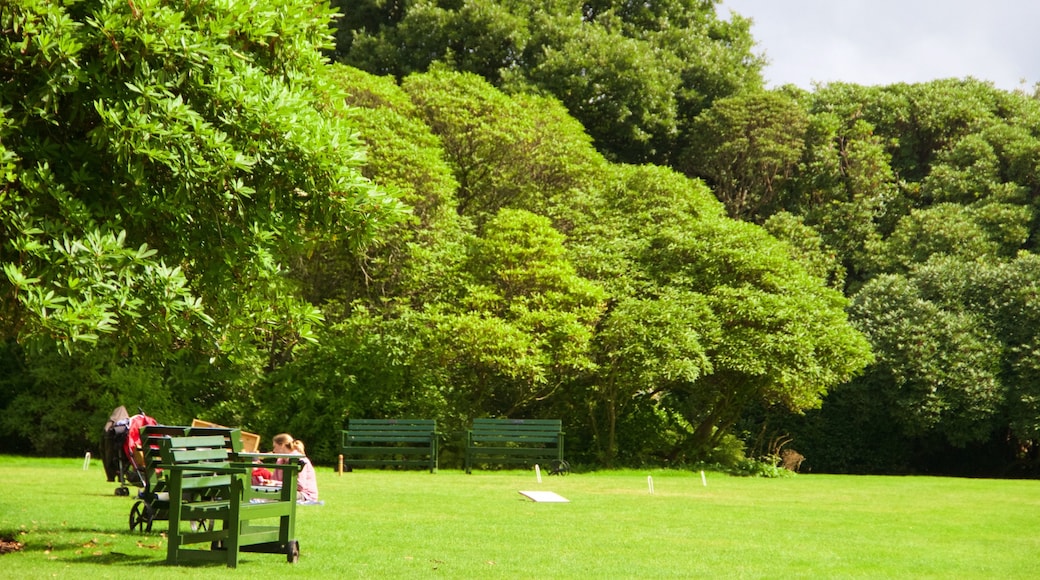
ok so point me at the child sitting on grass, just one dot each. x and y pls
(307, 481)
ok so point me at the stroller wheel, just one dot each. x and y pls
(137, 517)
(122, 491)
(141, 517)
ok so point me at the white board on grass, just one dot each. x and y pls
(545, 496)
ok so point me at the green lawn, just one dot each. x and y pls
(379, 524)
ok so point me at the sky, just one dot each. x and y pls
(880, 42)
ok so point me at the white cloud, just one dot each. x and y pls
(890, 41)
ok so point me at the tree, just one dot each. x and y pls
(939, 359)
(524, 291)
(505, 151)
(634, 77)
(922, 191)
(647, 347)
(720, 316)
(746, 147)
(785, 337)
(164, 164)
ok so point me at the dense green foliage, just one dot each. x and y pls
(163, 165)
(634, 74)
(201, 215)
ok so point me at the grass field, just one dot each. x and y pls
(386, 524)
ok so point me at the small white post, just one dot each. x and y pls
(704, 480)
(537, 473)
(86, 461)
(650, 483)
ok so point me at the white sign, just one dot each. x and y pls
(545, 496)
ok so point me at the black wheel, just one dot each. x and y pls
(293, 553)
(137, 517)
(203, 525)
(559, 467)
(141, 517)
(122, 491)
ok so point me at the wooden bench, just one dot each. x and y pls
(390, 443)
(207, 482)
(515, 441)
(154, 498)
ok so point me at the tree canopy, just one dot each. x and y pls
(635, 75)
(163, 165)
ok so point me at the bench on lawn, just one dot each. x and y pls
(153, 500)
(209, 483)
(515, 441)
(390, 443)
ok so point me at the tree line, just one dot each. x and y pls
(586, 210)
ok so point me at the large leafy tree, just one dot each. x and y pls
(746, 147)
(926, 193)
(720, 316)
(635, 75)
(164, 163)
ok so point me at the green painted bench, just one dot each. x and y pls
(515, 441)
(390, 443)
(153, 500)
(207, 482)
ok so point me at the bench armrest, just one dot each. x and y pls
(268, 455)
(230, 469)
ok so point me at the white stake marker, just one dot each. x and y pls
(704, 480)
(86, 461)
(650, 483)
(537, 473)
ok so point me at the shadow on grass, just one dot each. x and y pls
(92, 546)
(100, 549)
(115, 559)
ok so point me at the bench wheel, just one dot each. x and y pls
(559, 467)
(293, 553)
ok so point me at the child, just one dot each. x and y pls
(261, 475)
(306, 481)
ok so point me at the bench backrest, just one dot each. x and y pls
(516, 430)
(154, 437)
(232, 437)
(201, 459)
(389, 430)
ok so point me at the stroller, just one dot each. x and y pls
(121, 448)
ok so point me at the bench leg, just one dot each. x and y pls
(234, 527)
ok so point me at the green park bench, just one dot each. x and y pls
(390, 443)
(516, 441)
(153, 500)
(212, 502)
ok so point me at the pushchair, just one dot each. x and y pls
(121, 448)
